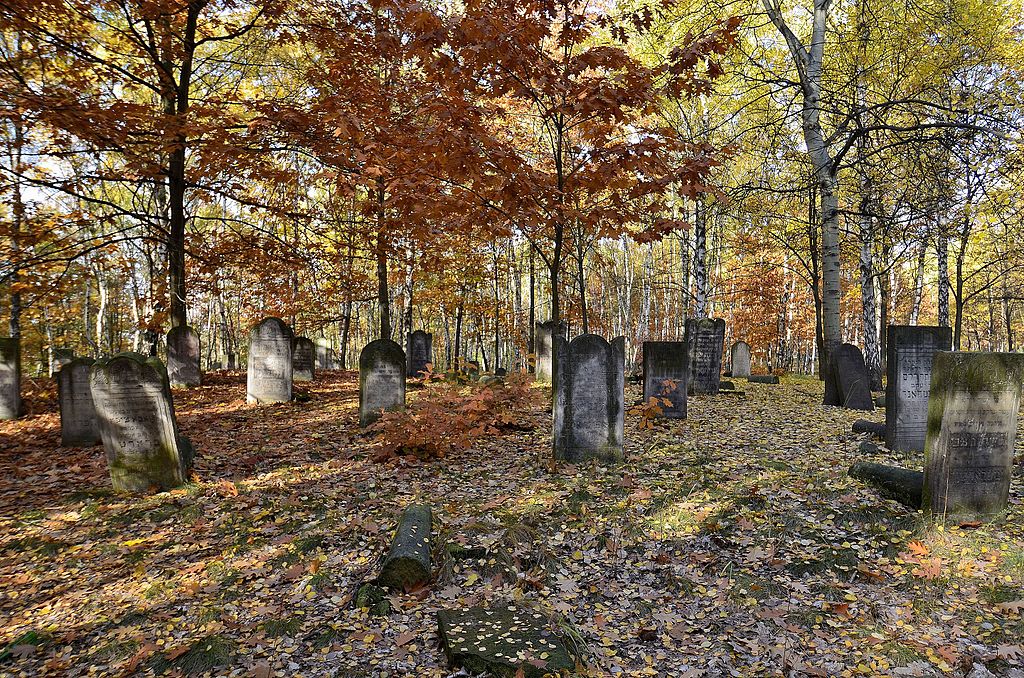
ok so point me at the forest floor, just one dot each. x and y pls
(732, 543)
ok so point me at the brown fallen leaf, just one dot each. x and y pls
(261, 670)
(404, 638)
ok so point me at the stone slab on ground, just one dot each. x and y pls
(501, 642)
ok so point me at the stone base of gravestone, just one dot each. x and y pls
(973, 406)
(505, 641)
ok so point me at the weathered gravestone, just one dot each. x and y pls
(381, 380)
(78, 425)
(973, 403)
(589, 403)
(421, 353)
(270, 363)
(665, 376)
(10, 378)
(136, 420)
(847, 382)
(303, 359)
(704, 340)
(909, 354)
(543, 342)
(324, 355)
(59, 357)
(740, 359)
(183, 357)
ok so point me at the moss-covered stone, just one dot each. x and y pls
(407, 564)
(502, 642)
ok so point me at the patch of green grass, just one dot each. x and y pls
(41, 545)
(289, 626)
(32, 516)
(157, 590)
(35, 638)
(320, 581)
(205, 655)
(308, 543)
(115, 650)
(899, 654)
(827, 559)
(1001, 593)
(323, 636)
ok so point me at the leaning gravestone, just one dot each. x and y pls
(740, 359)
(183, 357)
(544, 348)
(589, 402)
(381, 380)
(909, 354)
(665, 367)
(973, 403)
(137, 424)
(303, 359)
(59, 357)
(270, 363)
(421, 353)
(704, 339)
(78, 425)
(848, 383)
(10, 378)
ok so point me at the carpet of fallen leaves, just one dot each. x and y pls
(732, 543)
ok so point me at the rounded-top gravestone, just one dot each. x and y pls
(135, 414)
(303, 359)
(78, 425)
(183, 357)
(740, 360)
(381, 380)
(269, 377)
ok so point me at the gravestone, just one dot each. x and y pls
(589, 403)
(543, 343)
(665, 376)
(704, 341)
(740, 360)
(183, 357)
(136, 421)
(324, 355)
(973, 403)
(270, 363)
(421, 353)
(381, 379)
(848, 383)
(303, 359)
(10, 378)
(909, 354)
(78, 425)
(59, 357)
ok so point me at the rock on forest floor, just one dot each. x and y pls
(732, 543)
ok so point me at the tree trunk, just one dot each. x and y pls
(942, 254)
(869, 317)
(700, 260)
(915, 310)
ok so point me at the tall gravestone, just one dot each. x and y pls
(543, 342)
(303, 359)
(589, 403)
(421, 352)
(59, 357)
(381, 380)
(847, 382)
(665, 375)
(270, 363)
(909, 354)
(135, 414)
(324, 355)
(183, 357)
(704, 339)
(740, 360)
(78, 425)
(10, 378)
(974, 399)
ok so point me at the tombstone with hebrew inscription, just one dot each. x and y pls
(543, 342)
(303, 359)
(183, 357)
(10, 378)
(705, 338)
(421, 353)
(739, 358)
(589, 403)
(78, 425)
(909, 354)
(270, 363)
(665, 375)
(973, 402)
(135, 413)
(381, 380)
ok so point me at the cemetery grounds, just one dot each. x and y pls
(731, 543)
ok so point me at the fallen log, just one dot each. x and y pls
(872, 427)
(407, 564)
(892, 482)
